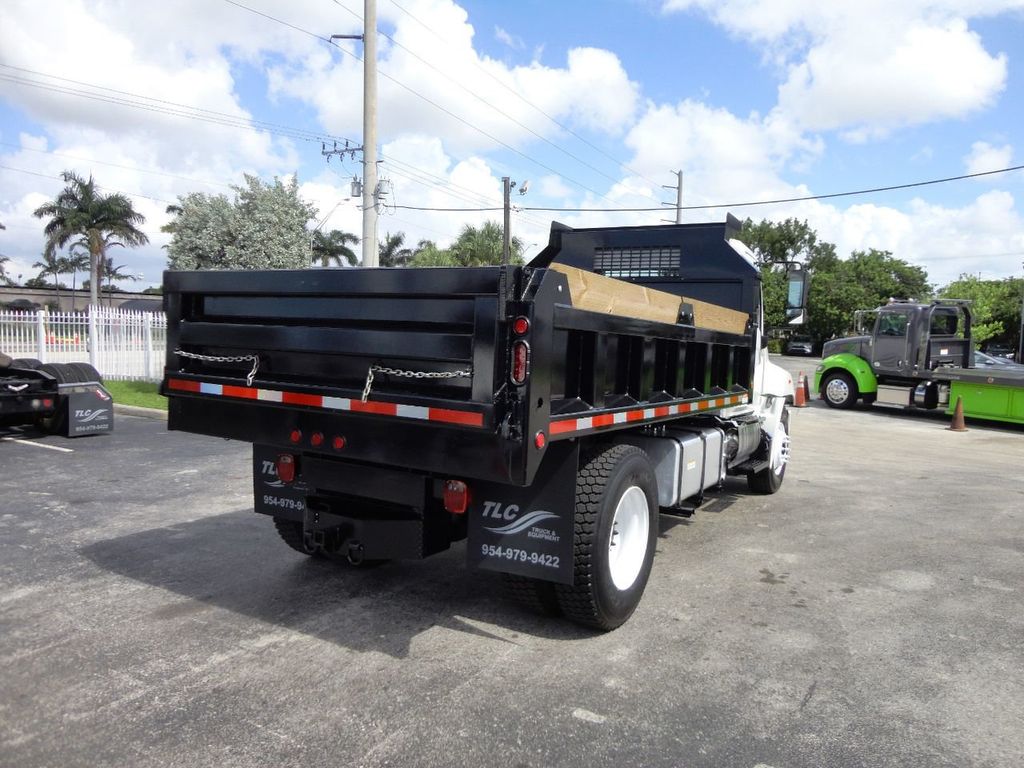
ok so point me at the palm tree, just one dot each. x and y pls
(479, 246)
(334, 246)
(112, 275)
(4, 279)
(55, 265)
(81, 211)
(391, 253)
(78, 260)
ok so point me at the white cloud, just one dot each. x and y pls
(512, 41)
(872, 66)
(985, 157)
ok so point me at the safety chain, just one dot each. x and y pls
(226, 359)
(411, 375)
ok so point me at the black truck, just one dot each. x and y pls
(545, 413)
(60, 398)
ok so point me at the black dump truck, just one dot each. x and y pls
(545, 413)
(62, 398)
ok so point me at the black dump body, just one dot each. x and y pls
(316, 333)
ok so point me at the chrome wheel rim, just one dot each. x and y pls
(627, 543)
(780, 449)
(837, 390)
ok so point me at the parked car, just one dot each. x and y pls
(983, 360)
(799, 345)
(1000, 350)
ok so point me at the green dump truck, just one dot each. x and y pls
(917, 355)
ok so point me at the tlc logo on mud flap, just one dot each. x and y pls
(270, 469)
(493, 510)
(89, 415)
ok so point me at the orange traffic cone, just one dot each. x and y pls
(800, 394)
(807, 389)
(958, 416)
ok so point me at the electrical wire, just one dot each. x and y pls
(514, 92)
(428, 100)
(484, 101)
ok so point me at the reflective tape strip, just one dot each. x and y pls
(376, 408)
(640, 415)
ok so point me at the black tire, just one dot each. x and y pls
(84, 372)
(29, 363)
(534, 594)
(839, 390)
(602, 482)
(59, 371)
(769, 479)
(291, 532)
(55, 424)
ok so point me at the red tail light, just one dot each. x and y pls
(456, 497)
(286, 468)
(520, 326)
(520, 361)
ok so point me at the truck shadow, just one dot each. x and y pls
(236, 562)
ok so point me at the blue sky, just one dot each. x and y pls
(752, 100)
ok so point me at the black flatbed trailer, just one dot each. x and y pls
(394, 411)
(67, 399)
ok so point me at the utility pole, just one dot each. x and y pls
(678, 187)
(507, 185)
(370, 250)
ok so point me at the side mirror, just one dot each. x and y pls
(797, 283)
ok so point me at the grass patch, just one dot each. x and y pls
(141, 393)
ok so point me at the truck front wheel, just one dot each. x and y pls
(769, 479)
(839, 390)
(615, 531)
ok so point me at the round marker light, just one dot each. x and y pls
(540, 440)
(338, 443)
(520, 326)
(317, 439)
(295, 436)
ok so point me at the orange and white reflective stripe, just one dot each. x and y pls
(398, 410)
(639, 416)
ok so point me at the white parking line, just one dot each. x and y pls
(37, 445)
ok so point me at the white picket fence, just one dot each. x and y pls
(120, 344)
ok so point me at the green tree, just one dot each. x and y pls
(480, 246)
(391, 251)
(55, 266)
(774, 244)
(995, 306)
(113, 275)
(82, 211)
(427, 254)
(335, 247)
(78, 261)
(264, 227)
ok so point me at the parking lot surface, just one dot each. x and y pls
(870, 614)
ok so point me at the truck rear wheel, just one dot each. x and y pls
(769, 479)
(615, 531)
(839, 390)
(539, 596)
(292, 533)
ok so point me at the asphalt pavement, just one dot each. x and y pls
(869, 614)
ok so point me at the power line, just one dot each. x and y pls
(428, 100)
(99, 186)
(747, 204)
(116, 165)
(529, 103)
(484, 101)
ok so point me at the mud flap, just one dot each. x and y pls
(89, 410)
(528, 531)
(270, 495)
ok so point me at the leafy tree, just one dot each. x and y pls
(838, 287)
(334, 247)
(995, 308)
(264, 227)
(774, 244)
(113, 275)
(480, 246)
(427, 254)
(391, 251)
(82, 211)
